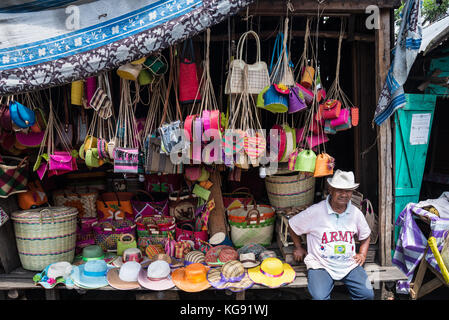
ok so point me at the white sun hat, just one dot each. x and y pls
(343, 180)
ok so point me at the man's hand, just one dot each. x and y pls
(299, 254)
(360, 259)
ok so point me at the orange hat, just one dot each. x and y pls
(191, 278)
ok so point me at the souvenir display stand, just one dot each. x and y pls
(148, 178)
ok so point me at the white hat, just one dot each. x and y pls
(129, 271)
(59, 269)
(343, 180)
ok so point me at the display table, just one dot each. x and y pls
(21, 279)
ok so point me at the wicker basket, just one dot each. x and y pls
(290, 190)
(45, 236)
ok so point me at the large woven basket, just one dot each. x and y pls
(290, 190)
(45, 236)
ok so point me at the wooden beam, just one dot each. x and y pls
(296, 33)
(262, 7)
(385, 145)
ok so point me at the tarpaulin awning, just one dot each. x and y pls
(50, 43)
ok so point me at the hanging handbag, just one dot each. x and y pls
(329, 110)
(258, 77)
(188, 76)
(14, 173)
(126, 160)
(342, 118)
(34, 197)
(115, 205)
(324, 165)
(21, 116)
(306, 161)
(296, 100)
(182, 205)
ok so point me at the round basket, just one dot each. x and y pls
(45, 236)
(290, 190)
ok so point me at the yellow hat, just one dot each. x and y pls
(272, 273)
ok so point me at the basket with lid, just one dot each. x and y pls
(45, 236)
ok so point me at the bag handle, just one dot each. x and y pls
(251, 213)
(146, 193)
(242, 39)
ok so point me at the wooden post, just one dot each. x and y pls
(384, 144)
(217, 218)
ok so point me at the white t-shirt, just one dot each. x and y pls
(330, 237)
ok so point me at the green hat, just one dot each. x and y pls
(92, 252)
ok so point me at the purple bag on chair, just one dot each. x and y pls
(296, 100)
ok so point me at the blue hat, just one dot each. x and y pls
(91, 275)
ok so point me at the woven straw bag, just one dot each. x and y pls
(371, 219)
(108, 232)
(290, 190)
(258, 77)
(84, 202)
(45, 236)
(252, 231)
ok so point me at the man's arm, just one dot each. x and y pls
(298, 252)
(363, 251)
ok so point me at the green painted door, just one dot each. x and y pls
(413, 125)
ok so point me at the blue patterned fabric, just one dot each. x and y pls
(407, 47)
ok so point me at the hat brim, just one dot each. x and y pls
(87, 282)
(178, 278)
(117, 283)
(159, 285)
(214, 276)
(248, 265)
(351, 187)
(273, 282)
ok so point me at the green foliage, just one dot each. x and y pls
(431, 11)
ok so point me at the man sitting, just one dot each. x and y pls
(330, 227)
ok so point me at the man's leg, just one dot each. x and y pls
(320, 284)
(358, 284)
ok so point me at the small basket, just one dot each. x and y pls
(108, 232)
(45, 236)
(290, 190)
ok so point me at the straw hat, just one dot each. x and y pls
(272, 273)
(91, 275)
(267, 254)
(191, 278)
(217, 256)
(231, 276)
(343, 180)
(157, 276)
(194, 256)
(249, 260)
(172, 261)
(255, 248)
(125, 277)
(153, 250)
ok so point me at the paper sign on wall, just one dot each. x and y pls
(419, 129)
